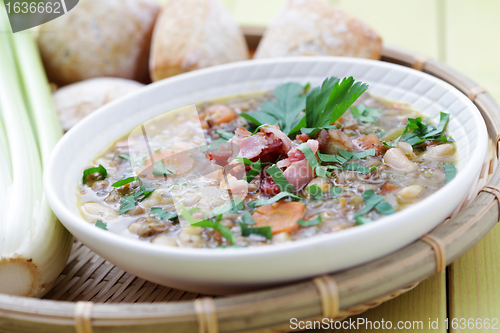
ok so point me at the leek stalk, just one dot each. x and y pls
(34, 246)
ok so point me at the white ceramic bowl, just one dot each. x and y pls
(223, 271)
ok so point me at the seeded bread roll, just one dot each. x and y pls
(99, 38)
(193, 34)
(313, 27)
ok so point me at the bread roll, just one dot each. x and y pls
(76, 101)
(99, 38)
(193, 34)
(313, 27)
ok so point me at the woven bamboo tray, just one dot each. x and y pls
(92, 295)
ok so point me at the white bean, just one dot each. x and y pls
(94, 208)
(410, 192)
(405, 147)
(164, 240)
(397, 159)
(439, 153)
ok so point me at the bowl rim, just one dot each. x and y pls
(77, 222)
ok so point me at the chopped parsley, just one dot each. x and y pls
(309, 223)
(365, 114)
(224, 231)
(247, 218)
(311, 159)
(336, 191)
(279, 179)
(101, 225)
(160, 170)
(279, 196)
(373, 200)
(100, 169)
(125, 181)
(163, 215)
(263, 231)
(417, 132)
(127, 203)
(344, 156)
(225, 134)
(450, 171)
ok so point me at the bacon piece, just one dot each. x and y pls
(302, 138)
(250, 145)
(269, 187)
(299, 173)
(270, 153)
(368, 142)
(287, 143)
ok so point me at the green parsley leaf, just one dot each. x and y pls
(315, 130)
(365, 114)
(160, 213)
(254, 172)
(362, 220)
(224, 231)
(280, 179)
(101, 225)
(315, 190)
(127, 203)
(247, 218)
(279, 196)
(332, 158)
(325, 104)
(356, 167)
(373, 200)
(160, 170)
(336, 191)
(225, 134)
(311, 159)
(263, 231)
(125, 181)
(125, 157)
(290, 102)
(102, 170)
(309, 223)
(443, 121)
(384, 208)
(416, 131)
(450, 171)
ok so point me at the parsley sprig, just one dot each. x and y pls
(323, 106)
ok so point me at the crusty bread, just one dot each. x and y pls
(76, 101)
(99, 38)
(313, 27)
(193, 34)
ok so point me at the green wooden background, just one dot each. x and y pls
(463, 33)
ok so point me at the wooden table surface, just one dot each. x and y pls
(465, 34)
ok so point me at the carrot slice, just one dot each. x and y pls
(219, 113)
(281, 216)
(368, 142)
